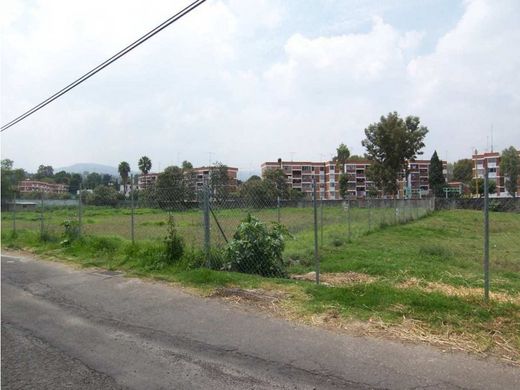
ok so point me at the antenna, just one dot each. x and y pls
(492, 138)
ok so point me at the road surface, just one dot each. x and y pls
(88, 329)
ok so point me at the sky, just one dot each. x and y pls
(243, 82)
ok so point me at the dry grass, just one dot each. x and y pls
(463, 292)
(336, 278)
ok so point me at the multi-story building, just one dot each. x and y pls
(28, 185)
(299, 175)
(202, 176)
(415, 182)
(147, 181)
(492, 160)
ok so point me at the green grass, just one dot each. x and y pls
(443, 248)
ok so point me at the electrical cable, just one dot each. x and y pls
(104, 64)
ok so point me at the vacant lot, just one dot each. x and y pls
(419, 281)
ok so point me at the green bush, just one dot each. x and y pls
(256, 249)
(71, 231)
(174, 243)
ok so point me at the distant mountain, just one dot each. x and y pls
(89, 167)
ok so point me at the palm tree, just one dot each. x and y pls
(145, 164)
(124, 170)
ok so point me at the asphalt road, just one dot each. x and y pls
(86, 329)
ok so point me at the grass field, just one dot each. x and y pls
(420, 280)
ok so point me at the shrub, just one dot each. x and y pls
(256, 249)
(174, 243)
(71, 231)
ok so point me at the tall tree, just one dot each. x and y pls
(187, 165)
(343, 185)
(492, 186)
(145, 165)
(463, 171)
(276, 179)
(389, 144)
(342, 156)
(124, 170)
(171, 188)
(219, 181)
(75, 181)
(510, 169)
(435, 176)
(10, 179)
(44, 171)
(93, 180)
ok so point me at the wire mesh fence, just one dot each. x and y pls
(261, 235)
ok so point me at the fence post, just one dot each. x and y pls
(348, 220)
(321, 220)
(41, 214)
(486, 234)
(14, 214)
(278, 207)
(369, 214)
(207, 244)
(132, 206)
(315, 206)
(79, 209)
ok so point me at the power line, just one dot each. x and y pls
(104, 64)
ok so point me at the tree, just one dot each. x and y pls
(103, 196)
(256, 191)
(389, 144)
(10, 179)
(124, 170)
(219, 181)
(463, 171)
(187, 165)
(343, 185)
(435, 176)
(277, 180)
(62, 177)
(492, 186)
(171, 189)
(44, 171)
(75, 181)
(106, 179)
(93, 180)
(510, 169)
(342, 156)
(145, 164)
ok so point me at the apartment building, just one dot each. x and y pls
(147, 181)
(492, 160)
(202, 176)
(299, 175)
(28, 185)
(416, 183)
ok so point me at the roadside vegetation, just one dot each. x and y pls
(420, 280)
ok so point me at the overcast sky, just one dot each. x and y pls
(247, 81)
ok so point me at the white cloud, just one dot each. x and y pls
(225, 79)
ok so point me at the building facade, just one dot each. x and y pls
(492, 161)
(26, 186)
(299, 176)
(202, 176)
(147, 181)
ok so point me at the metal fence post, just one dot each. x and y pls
(486, 234)
(369, 214)
(132, 207)
(321, 220)
(278, 207)
(315, 206)
(41, 214)
(14, 214)
(79, 210)
(348, 220)
(207, 244)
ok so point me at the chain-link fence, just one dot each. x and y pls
(261, 235)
